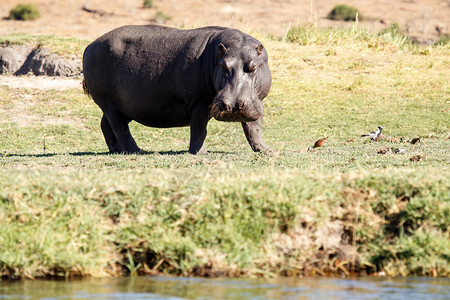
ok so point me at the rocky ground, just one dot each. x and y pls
(24, 59)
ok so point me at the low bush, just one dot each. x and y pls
(344, 13)
(394, 34)
(442, 41)
(160, 17)
(25, 12)
(148, 3)
(394, 29)
(390, 39)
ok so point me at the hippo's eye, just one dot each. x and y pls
(250, 67)
(225, 68)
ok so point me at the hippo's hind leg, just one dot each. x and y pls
(117, 133)
(110, 138)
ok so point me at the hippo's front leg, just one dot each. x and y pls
(199, 122)
(253, 134)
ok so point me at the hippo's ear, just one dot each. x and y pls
(222, 50)
(259, 49)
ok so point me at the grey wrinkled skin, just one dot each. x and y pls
(165, 77)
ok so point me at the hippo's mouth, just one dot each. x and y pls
(220, 113)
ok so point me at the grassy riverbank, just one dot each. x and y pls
(224, 222)
(67, 208)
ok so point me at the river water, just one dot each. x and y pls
(176, 288)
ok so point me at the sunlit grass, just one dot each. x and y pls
(65, 46)
(69, 208)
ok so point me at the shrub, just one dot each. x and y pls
(160, 17)
(442, 41)
(395, 35)
(25, 12)
(394, 29)
(148, 3)
(344, 13)
(390, 39)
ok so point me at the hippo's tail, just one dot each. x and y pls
(85, 89)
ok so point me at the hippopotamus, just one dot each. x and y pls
(166, 77)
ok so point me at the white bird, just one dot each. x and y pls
(374, 134)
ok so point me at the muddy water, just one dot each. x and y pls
(199, 288)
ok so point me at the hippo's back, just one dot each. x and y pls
(135, 46)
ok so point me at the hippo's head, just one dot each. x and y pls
(242, 79)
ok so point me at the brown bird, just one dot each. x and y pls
(318, 143)
(415, 140)
(374, 134)
(380, 137)
(417, 158)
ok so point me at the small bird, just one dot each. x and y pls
(374, 134)
(399, 150)
(417, 158)
(380, 137)
(318, 143)
(415, 140)
(384, 151)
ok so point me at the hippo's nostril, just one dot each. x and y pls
(224, 105)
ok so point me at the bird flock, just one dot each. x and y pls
(375, 135)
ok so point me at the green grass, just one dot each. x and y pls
(65, 46)
(390, 39)
(72, 209)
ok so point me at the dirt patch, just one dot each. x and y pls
(39, 82)
(422, 19)
(325, 248)
(21, 108)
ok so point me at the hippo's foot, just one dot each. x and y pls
(270, 152)
(117, 134)
(139, 151)
(116, 149)
(202, 151)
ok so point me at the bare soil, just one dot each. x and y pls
(20, 110)
(424, 20)
(39, 82)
